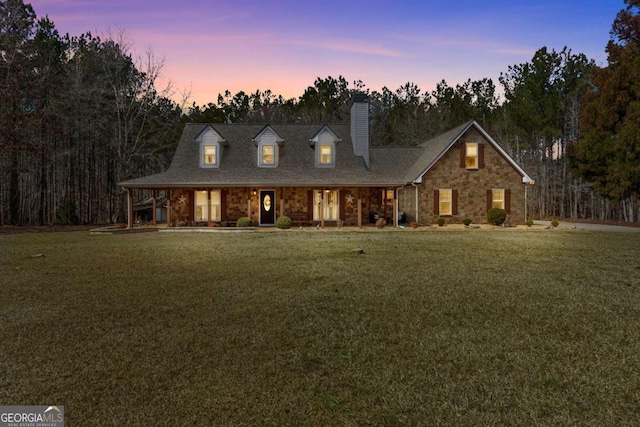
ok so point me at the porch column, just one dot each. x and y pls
(209, 207)
(153, 212)
(324, 205)
(395, 208)
(249, 203)
(359, 208)
(281, 201)
(129, 208)
(168, 197)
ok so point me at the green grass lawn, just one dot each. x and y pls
(473, 327)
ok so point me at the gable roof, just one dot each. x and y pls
(388, 166)
(435, 148)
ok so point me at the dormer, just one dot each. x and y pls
(324, 144)
(268, 142)
(211, 146)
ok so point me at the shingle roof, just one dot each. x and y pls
(389, 166)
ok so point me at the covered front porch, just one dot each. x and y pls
(306, 206)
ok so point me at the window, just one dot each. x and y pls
(497, 198)
(268, 155)
(471, 156)
(327, 207)
(325, 153)
(209, 156)
(203, 208)
(445, 202)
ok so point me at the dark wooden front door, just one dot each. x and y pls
(267, 207)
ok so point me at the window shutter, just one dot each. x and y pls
(436, 202)
(463, 155)
(310, 205)
(489, 199)
(480, 156)
(507, 201)
(343, 203)
(223, 205)
(454, 202)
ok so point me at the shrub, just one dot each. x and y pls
(414, 224)
(496, 216)
(528, 222)
(467, 221)
(555, 223)
(66, 213)
(440, 222)
(244, 222)
(283, 222)
(381, 223)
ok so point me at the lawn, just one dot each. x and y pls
(290, 327)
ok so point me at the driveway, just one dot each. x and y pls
(592, 227)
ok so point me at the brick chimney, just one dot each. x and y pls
(360, 126)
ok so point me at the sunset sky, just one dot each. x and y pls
(212, 45)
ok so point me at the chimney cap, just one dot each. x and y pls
(360, 97)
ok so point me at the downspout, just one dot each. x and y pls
(416, 187)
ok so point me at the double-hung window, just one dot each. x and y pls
(471, 156)
(325, 155)
(209, 155)
(497, 198)
(445, 200)
(206, 204)
(268, 155)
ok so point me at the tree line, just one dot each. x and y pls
(80, 113)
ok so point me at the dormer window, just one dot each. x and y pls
(325, 155)
(267, 155)
(209, 154)
(210, 147)
(268, 143)
(324, 143)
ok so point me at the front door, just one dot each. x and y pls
(267, 207)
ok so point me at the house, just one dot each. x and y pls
(329, 174)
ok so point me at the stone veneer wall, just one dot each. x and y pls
(296, 200)
(472, 185)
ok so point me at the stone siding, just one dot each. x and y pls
(471, 185)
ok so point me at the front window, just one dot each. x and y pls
(445, 202)
(325, 155)
(471, 156)
(326, 205)
(203, 208)
(497, 198)
(209, 155)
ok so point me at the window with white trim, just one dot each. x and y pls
(325, 155)
(326, 205)
(268, 155)
(445, 200)
(209, 156)
(204, 205)
(497, 198)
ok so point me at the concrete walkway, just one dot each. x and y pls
(591, 227)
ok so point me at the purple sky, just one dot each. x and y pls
(212, 45)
